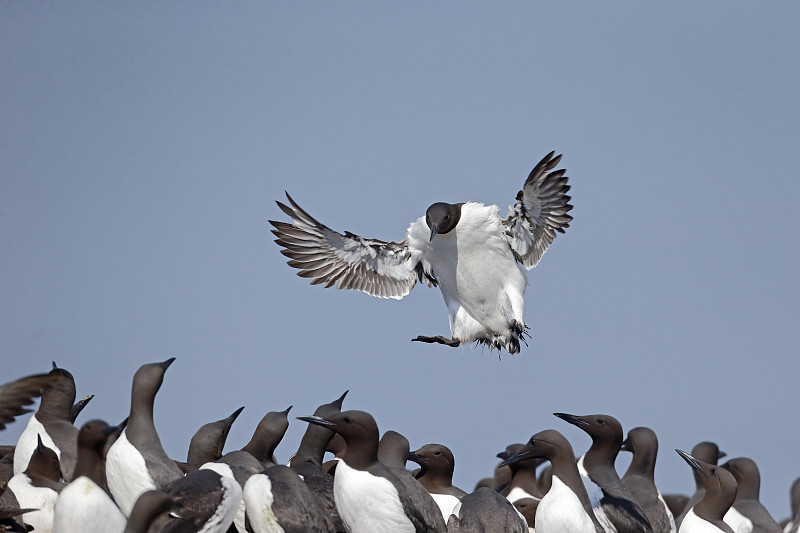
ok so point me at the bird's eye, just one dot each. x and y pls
(347, 420)
(713, 470)
(437, 453)
(532, 442)
(447, 217)
(601, 421)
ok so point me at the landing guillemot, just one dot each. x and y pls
(476, 258)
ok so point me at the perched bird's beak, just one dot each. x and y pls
(434, 231)
(517, 457)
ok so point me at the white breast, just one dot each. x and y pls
(225, 470)
(694, 524)
(85, 507)
(367, 503)
(28, 442)
(258, 498)
(560, 510)
(738, 522)
(518, 493)
(595, 495)
(446, 503)
(222, 518)
(127, 474)
(31, 497)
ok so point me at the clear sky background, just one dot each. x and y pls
(143, 146)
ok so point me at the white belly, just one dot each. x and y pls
(127, 474)
(367, 503)
(30, 497)
(225, 470)
(518, 493)
(258, 498)
(561, 511)
(738, 522)
(28, 442)
(85, 507)
(446, 503)
(694, 524)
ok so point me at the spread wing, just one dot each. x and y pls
(379, 268)
(541, 211)
(16, 395)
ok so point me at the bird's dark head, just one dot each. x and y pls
(442, 217)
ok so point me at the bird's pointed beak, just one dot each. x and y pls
(318, 420)
(689, 459)
(572, 419)
(517, 457)
(434, 231)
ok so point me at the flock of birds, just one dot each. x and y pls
(115, 479)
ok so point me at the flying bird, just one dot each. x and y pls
(477, 259)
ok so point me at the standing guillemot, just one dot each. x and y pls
(476, 258)
(706, 516)
(307, 461)
(523, 482)
(566, 507)
(747, 514)
(642, 442)
(371, 497)
(206, 502)
(53, 421)
(707, 452)
(137, 462)
(393, 449)
(85, 504)
(437, 465)
(485, 511)
(208, 442)
(149, 506)
(278, 500)
(37, 487)
(527, 508)
(612, 502)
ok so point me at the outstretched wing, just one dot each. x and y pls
(541, 210)
(379, 268)
(16, 395)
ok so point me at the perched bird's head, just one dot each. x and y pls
(442, 217)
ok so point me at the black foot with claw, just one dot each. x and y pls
(438, 339)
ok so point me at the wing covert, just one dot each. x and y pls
(541, 210)
(379, 268)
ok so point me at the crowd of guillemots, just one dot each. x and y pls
(103, 478)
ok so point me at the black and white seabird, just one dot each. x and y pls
(85, 505)
(208, 442)
(148, 507)
(485, 511)
(307, 461)
(642, 442)
(566, 506)
(37, 487)
(206, 502)
(277, 500)
(477, 259)
(53, 422)
(371, 497)
(523, 483)
(707, 515)
(137, 462)
(747, 514)
(437, 465)
(707, 452)
(527, 508)
(614, 505)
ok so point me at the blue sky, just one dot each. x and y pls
(142, 149)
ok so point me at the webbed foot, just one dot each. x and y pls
(437, 339)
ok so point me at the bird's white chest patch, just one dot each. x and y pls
(367, 503)
(83, 506)
(560, 510)
(258, 499)
(738, 522)
(595, 495)
(518, 493)
(127, 474)
(31, 497)
(28, 442)
(446, 503)
(694, 524)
